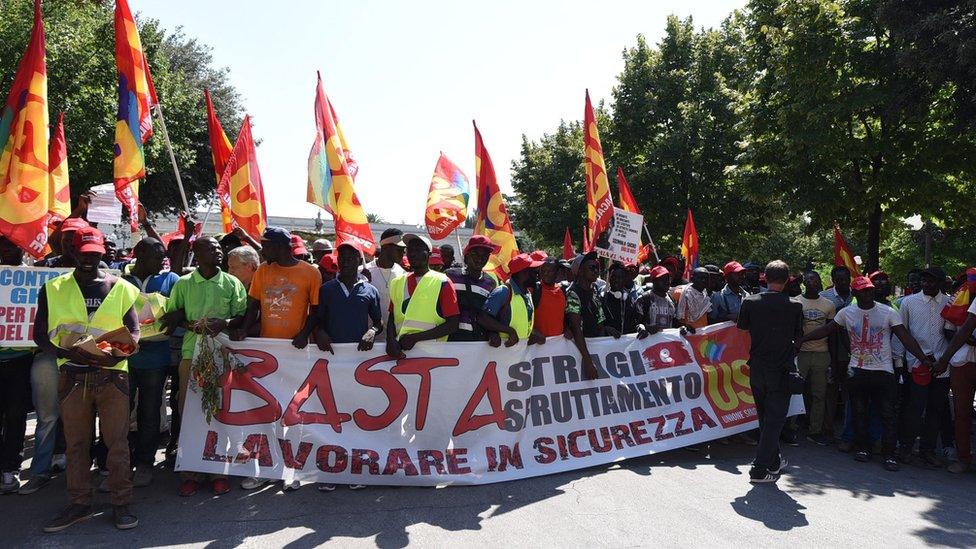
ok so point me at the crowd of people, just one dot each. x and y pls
(876, 372)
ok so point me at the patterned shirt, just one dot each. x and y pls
(586, 303)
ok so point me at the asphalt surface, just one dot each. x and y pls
(678, 498)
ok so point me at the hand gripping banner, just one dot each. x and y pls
(465, 413)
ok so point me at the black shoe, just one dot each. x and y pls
(72, 514)
(862, 456)
(122, 518)
(779, 469)
(766, 478)
(819, 440)
(891, 464)
(789, 439)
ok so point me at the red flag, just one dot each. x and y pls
(842, 253)
(627, 201)
(689, 246)
(569, 252)
(586, 240)
(492, 216)
(599, 203)
(957, 310)
(243, 179)
(60, 200)
(24, 178)
(220, 151)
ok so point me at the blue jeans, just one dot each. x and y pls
(874, 425)
(44, 388)
(148, 383)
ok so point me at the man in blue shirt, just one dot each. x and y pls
(726, 303)
(348, 311)
(496, 318)
(147, 368)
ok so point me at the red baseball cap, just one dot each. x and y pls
(539, 255)
(861, 283)
(89, 239)
(922, 375)
(354, 244)
(732, 267)
(659, 271)
(878, 274)
(435, 257)
(298, 245)
(329, 263)
(481, 241)
(522, 262)
(72, 224)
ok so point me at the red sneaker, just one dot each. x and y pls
(189, 488)
(220, 486)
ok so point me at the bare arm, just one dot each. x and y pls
(958, 340)
(576, 328)
(909, 342)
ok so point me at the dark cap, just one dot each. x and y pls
(935, 272)
(277, 235)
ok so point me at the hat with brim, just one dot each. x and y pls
(935, 272)
(578, 261)
(732, 267)
(298, 245)
(522, 262)
(435, 258)
(409, 237)
(659, 271)
(276, 235)
(350, 244)
(861, 283)
(480, 241)
(72, 224)
(89, 239)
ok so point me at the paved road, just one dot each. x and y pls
(674, 499)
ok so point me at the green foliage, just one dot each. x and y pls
(82, 82)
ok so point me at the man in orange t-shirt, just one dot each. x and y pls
(284, 290)
(550, 300)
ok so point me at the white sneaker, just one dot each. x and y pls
(357, 486)
(323, 487)
(9, 483)
(59, 462)
(291, 486)
(252, 483)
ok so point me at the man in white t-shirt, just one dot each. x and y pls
(386, 266)
(869, 326)
(963, 381)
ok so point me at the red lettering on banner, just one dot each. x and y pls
(561, 446)
(422, 368)
(369, 458)
(620, 434)
(640, 434)
(700, 417)
(431, 458)
(574, 446)
(398, 460)
(546, 454)
(293, 461)
(210, 450)
(255, 447)
(396, 395)
(318, 381)
(322, 458)
(487, 386)
(723, 357)
(680, 420)
(659, 434)
(457, 459)
(245, 380)
(605, 436)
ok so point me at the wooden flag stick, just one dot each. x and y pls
(172, 157)
(651, 242)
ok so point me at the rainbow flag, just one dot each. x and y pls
(599, 203)
(137, 96)
(492, 220)
(447, 199)
(243, 179)
(331, 176)
(220, 151)
(59, 199)
(957, 310)
(689, 246)
(24, 179)
(843, 257)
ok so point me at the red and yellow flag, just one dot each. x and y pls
(24, 184)
(586, 239)
(447, 199)
(59, 199)
(569, 251)
(492, 220)
(133, 125)
(842, 253)
(243, 178)
(689, 246)
(220, 150)
(957, 311)
(331, 176)
(599, 203)
(627, 201)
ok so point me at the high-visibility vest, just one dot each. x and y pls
(421, 314)
(521, 320)
(67, 312)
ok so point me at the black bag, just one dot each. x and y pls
(796, 383)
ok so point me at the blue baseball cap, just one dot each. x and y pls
(277, 235)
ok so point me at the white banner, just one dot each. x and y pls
(465, 413)
(18, 302)
(622, 239)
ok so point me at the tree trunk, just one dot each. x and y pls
(874, 240)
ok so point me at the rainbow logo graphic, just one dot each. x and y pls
(711, 350)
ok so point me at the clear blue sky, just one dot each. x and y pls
(407, 78)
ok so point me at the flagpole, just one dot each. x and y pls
(651, 242)
(172, 157)
(457, 235)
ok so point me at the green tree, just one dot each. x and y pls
(82, 82)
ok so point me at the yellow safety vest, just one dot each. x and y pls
(67, 312)
(421, 314)
(520, 315)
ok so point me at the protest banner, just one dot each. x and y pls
(18, 302)
(622, 238)
(465, 413)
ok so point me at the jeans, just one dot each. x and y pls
(148, 383)
(44, 385)
(930, 402)
(772, 405)
(874, 422)
(83, 396)
(878, 388)
(14, 397)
